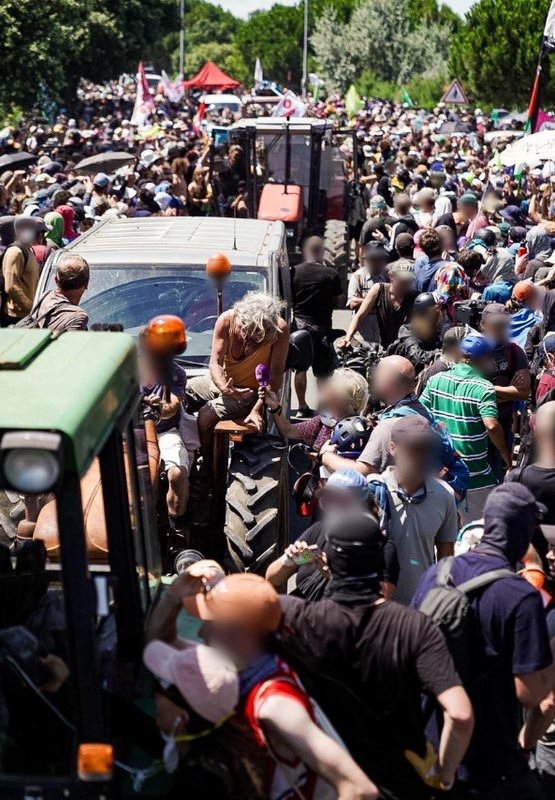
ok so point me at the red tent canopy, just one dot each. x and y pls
(211, 77)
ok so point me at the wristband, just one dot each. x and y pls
(276, 411)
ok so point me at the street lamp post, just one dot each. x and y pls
(305, 52)
(181, 36)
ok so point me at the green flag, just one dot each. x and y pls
(406, 98)
(353, 103)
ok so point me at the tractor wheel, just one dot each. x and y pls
(336, 243)
(257, 504)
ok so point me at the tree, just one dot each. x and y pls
(496, 51)
(55, 42)
(275, 36)
(380, 36)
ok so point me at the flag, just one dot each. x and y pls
(353, 103)
(144, 102)
(549, 30)
(172, 90)
(289, 106)
(544, 122)
(199, 116)
(314, 79)
(258, 72)
(406, 98)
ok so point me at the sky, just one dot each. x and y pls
(243, 8)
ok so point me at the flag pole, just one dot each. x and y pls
(181, 35)
(305, 52)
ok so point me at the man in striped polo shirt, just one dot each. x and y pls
(465, 402)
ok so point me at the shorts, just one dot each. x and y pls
(323, 362)
(172, 450)
(202, 391)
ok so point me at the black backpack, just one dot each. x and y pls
(449, 606)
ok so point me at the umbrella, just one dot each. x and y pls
(17, 160)
(531, 150)
(105, 162)
(455, 127)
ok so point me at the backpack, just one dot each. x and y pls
(457, 472)
(449, 606)
(35, 319)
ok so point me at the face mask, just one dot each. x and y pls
(26, 236)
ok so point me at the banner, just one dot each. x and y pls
(173, 90)
(544, 122)
(549, 30)
(290, 106)
(144, 102)
(258, 72)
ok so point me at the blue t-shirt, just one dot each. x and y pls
(178, 384)
(425, 274)
(508, 637)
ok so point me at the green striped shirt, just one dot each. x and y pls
(460, 399)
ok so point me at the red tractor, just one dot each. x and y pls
(296, 174)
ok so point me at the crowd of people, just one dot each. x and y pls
(401, 646)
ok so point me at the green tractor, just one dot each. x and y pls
(295, 173)
(71, 405)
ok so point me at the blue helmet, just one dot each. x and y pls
(351, 436)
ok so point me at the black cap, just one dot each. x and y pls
(374, 249)
(354, 544)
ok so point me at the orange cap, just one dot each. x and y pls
(218, 266)
(523, 290)
(245, 599)
(166, 335)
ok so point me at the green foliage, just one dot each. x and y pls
(275, 36)
(58, 41)
(381, 36)
(425, 92)
(495, 52)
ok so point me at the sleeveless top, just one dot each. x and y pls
(241, 371)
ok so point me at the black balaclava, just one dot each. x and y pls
(509, 522)
(354, 546)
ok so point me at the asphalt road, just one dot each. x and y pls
(341, 319)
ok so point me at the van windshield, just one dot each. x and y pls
(132, 295)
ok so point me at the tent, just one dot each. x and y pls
(210, 77)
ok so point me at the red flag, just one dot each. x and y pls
(144, 102)
(199, 116)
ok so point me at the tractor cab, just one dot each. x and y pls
(71, 624)
(296, 172)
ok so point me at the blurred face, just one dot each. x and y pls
(551, 561)
(413, 460)
(237, 642)
(496, 328)
(383, 383)
(447, 239)
(26, 234)
(401, 285)
(375, 264)
(467, 210)
(332, 502)
(333, 400)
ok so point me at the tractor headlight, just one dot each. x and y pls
(31, 461)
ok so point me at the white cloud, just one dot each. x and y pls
(242, 8)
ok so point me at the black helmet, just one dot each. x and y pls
(423, 302)
(351, 436)
(488, 237)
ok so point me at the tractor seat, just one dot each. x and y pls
(234, 427)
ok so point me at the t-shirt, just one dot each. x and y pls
(58, 314)
(177, 387)
(376, 453)
(426, 275)
(367, 665)
(508, 359)
(540, 481)
(416, 525)
(283, 775)
(545, 384)
(461, 398)
(360, 284)
(315, 286)
(508, 637)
